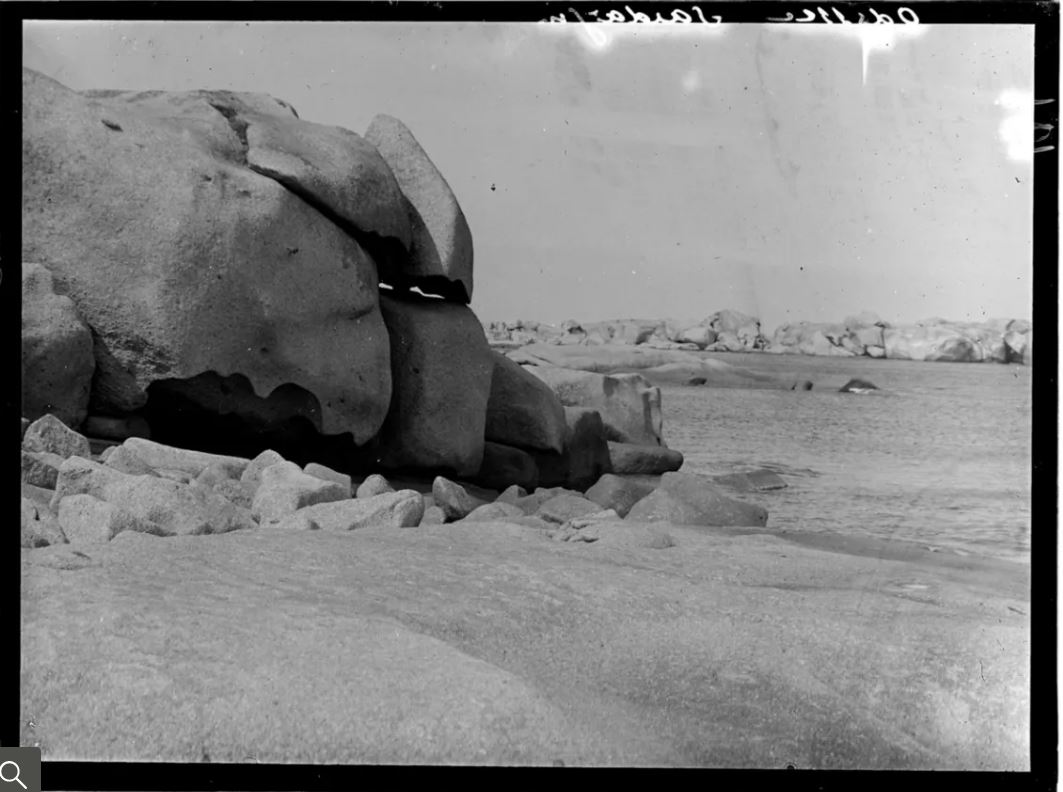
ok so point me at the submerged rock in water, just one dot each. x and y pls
(857, 386)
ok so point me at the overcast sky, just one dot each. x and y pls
(788, 172)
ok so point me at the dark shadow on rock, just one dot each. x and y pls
(223, 415)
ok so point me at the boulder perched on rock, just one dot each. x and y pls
(522, 409)
(57, 360)
(441, 249)
(184, 260)
(689, 499)
(586, 454)
(51, 435)
(618, 493)
(629, 406)
(402, 509)
(441, 368)
(630, 458)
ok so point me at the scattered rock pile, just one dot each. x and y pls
(70, 494)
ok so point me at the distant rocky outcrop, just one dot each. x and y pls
(863, 334)
(995, 340)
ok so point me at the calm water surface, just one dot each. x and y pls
(941, 456)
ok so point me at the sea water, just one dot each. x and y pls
(940, 455)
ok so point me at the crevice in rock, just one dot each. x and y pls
(238, 125)
(223, 415)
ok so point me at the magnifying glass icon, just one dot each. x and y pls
(15, 778)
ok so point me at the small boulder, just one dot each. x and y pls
(512, 494)
(50, 434)
(123, 459)
(253, 472)
(614, 492)
(402, 509)
(163, 456)
(40, 468)
(688, 499)
(455, 501)
(531, 503)
(504, 465)
(618, 534)
(39, 526)
(373, 485)
(433, 515)
(88, 520)
(328, 474)
(562, 508)
(627, 458)
(494, 512)
(284, 488)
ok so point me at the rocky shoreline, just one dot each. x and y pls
(861, 335)
(282, 501)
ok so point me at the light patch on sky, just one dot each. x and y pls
(1016, 129)
(872, 38)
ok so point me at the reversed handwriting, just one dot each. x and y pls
(834, 16)
(677, 15)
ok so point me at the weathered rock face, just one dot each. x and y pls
(441, 250)
(586, 454)
(931, 342)
(629, 405)
(57, 361)
(441, 368)
(523, 411)
(183, 260)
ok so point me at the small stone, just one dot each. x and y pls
(512, 494)
(578, 523)
(563, 508)
(253, 472)
(433, 515)
(494, 512)
(88, 520)
(39, 526)
(373, 485)
(616, 492)
(402, 509)
(284, 488)
(452, 498)
(50, 434)
(328, 474)
(40, 468)
(125, 460)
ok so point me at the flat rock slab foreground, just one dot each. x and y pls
(487, 644)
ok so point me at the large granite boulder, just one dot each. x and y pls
(629, 405)
(745, 328)
(442, 368)
(57, 361)
(441, 250)
(522, 410)
(185, 260)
